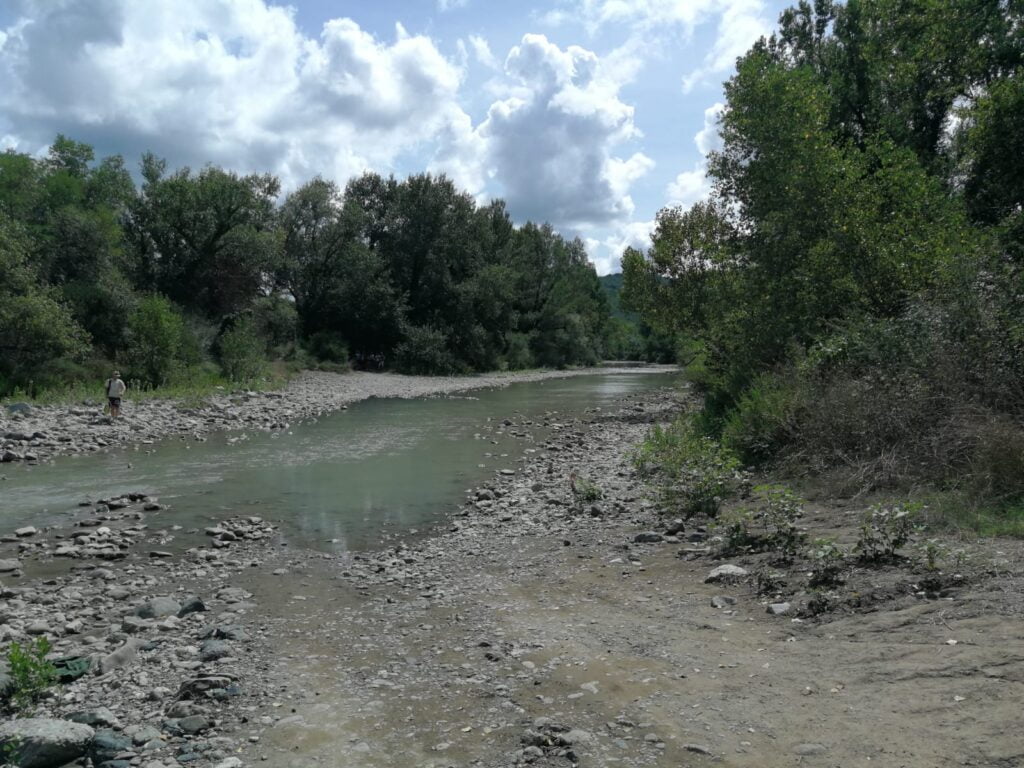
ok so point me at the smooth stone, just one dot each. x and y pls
(42, 742)
(727, 572)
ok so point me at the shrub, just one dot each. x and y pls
(697, 473)
(31, 674)
(884, 531)
(158, 342)
(328, 346)
(242, 351)
(763, 420)
(424, 351)
(517, 354)
(776, 518)
(583, 490)
(276, 321)
(828, 559)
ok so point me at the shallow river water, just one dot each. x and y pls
(340, 482)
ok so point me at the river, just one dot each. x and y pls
(338, 483)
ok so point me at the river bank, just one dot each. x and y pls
(532, 627)
(40, 433)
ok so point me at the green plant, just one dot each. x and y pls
(828, 559)
(697, 473)
(884, 531)
(734, 527)
(778, 516)
(31, 674)
(933, 552)
(242, 351)
(583, 490)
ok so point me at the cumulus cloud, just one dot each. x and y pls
(234, 82)
(606, 253)
(692, 186)
(449, 5)
(549, 143)
(738, 24)
(482, 52)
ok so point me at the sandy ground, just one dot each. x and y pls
(532, 632)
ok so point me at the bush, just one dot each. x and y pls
(276, 321)
(696, 473)
(518, 355)
(884, 531)
(159, 344)
(242, 351)
(31, 674)
(776, 517)
(828, 559)
(328, 346)
(424, 351)
(763, 420)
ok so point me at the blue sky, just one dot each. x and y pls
(591, 114)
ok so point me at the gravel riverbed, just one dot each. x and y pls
(531, 628)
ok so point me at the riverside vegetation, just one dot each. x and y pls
(850, 293)
(196, 277)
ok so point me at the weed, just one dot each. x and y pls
(933, 552)
(583, 490)
(884, 531)
(776, 518)
(31, 674)
(829, 559)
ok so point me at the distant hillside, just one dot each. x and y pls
(612, 285)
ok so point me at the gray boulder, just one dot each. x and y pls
(158, 607)
(725, 573)
(42, 742)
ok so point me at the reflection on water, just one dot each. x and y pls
(381, 465)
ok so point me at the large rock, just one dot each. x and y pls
(158, 607)
(9, 566)
(725, 573)
(41, 742)
(108, 745)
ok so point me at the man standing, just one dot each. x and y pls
(115, 391)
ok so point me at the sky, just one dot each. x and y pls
(589, 114)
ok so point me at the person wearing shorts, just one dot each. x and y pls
(115, 391)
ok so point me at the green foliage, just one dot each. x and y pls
(884, 530)
(828, 561)
(852, 284)
(424, 351)
(517, 353)
(770, 526)
(583, 490)
(242, 351)
(31, 674)
(158, 342)
(328, 346)
(695, 473)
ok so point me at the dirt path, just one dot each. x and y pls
(535, 633)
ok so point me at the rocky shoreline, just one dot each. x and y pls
(39, 433)
(538, 625)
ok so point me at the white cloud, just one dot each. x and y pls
(229, 81)
(690, 187)
(239, 84)
(549, 143)
(482, 51)
(708, 138)
(450, 5)
(606, 253)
